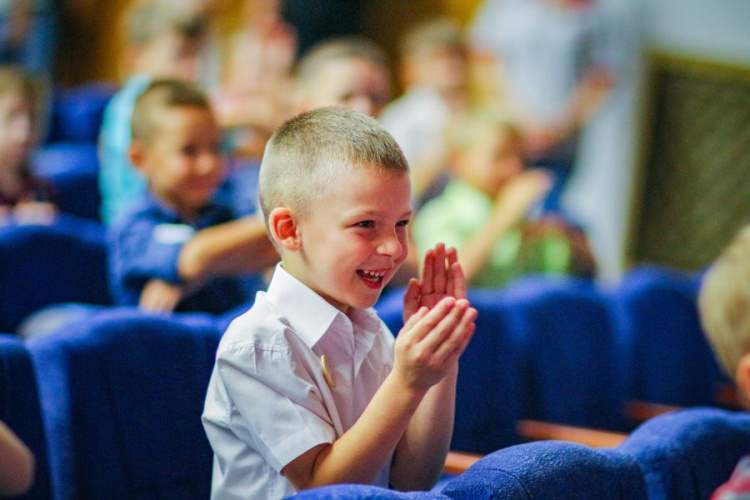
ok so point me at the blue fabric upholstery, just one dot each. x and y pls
(20, 409)
(363, 492)
(77, 112)
(550, 469)
(568, 359)
(50, 264)
(122, 397)
(73, 170)
(686, 455)
(663, 349)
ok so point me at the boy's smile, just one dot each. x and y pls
(355, 238)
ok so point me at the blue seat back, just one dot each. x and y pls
(550, 469)
(664, 350)
(77, 112)
(51, 264)
(364, 492)
(568, 355)
(73, 170)
(122, 396)
(687, 454)
(20, 409)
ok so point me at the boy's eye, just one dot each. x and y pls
(365, 223)
(189, 150)
(402, 223)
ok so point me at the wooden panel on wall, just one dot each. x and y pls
(695, 176)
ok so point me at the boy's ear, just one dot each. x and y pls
(283, 227)
(136, 153)
(742, 378)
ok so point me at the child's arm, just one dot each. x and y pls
(239, 246)
(16, 464)
(160, 296)
(425, 351)
(420, 455)
(512, 204)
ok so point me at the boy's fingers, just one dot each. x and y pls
(411, 299)
(455, 345)
(439, 269)
(443, 329)
(427, 273)
(424, 325)
(450, 283)
(459, 281)
(412, 320)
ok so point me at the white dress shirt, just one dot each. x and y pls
(268, 401)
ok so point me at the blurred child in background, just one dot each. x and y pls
(178, 250)
(724, 305)
(21, 193)
(162, 41)
(484, 211)
(434, 69)
(17, 464)
(351, 72)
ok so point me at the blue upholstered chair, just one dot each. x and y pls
(77, 112)
(364, 492)
(73, 169)
(51, 264)
(686, 455)
(568, 358)
(663, 349)
(122, 396)
(20, 409)
(550, 469)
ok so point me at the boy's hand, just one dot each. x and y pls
(160, 296)
(517, 197)
(431, 342)
(442, 277)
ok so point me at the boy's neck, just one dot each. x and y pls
(11, 182)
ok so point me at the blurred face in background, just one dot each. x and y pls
(17, 132)
(493, 158)
(351, 83)
(170, 55)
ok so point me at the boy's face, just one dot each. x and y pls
(493, 159)
(182, 161)
(355, 238)
(350, 83)
(441, 67)
(16, 130)
(171, 55)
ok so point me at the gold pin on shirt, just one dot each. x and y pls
(326, 373)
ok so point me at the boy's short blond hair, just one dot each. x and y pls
(351, 47)
(307, 152)
(464, 132)
(161, 95)
(724, 303)
(146, 20)
(438, 33)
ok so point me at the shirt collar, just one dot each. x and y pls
(310, 315)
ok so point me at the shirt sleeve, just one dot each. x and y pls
(279, 405)
(146, 250)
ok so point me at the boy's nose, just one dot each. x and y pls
(390, 245)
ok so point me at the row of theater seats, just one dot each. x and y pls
(562, 351)
(112, 410)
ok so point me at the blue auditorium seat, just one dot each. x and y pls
(686, 455)
(73, 170)
(122, 396)
(364, 492)
(77, 112)
(488, 391)
(568, 354)
(662, 344)
(51, 264)
(20, 409)
(548, 470)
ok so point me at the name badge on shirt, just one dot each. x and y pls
(172, 234)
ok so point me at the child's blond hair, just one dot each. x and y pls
(438, 33)
(724, 303)
(16, 80)
(161, 95)
(464, 132)
(307, 152)
(146, 20)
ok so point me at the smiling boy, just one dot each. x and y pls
(309, 387)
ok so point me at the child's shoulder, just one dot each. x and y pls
(263, 326)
